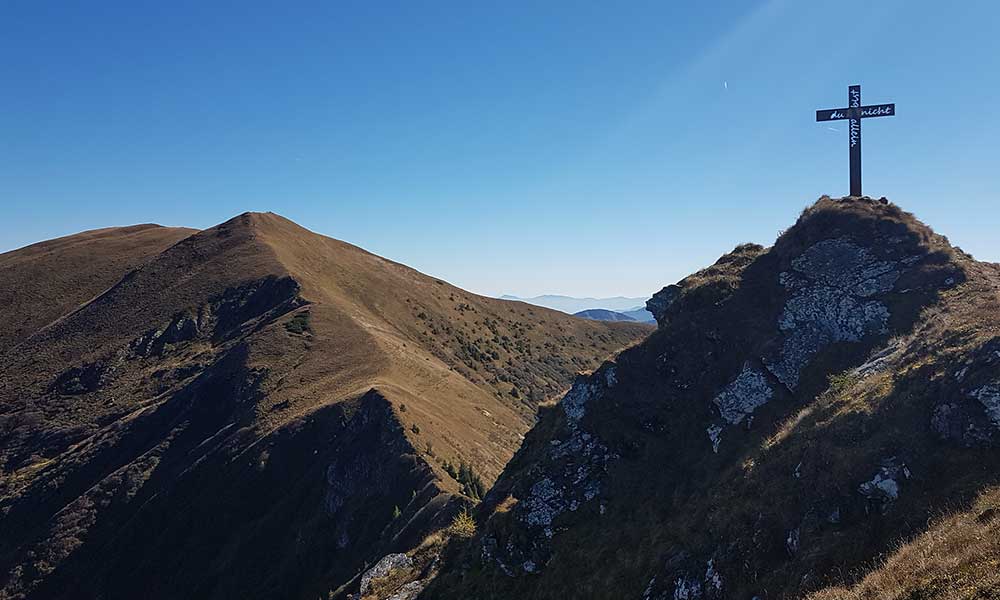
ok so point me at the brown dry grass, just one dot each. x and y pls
(958, 558)
(42, 282)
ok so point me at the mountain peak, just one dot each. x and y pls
(349, 403)
(863, 226)
(797, 411)
(260, 222)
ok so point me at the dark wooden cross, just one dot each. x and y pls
(854, 113)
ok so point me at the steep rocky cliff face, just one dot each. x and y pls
(800, 410)
(255, 411)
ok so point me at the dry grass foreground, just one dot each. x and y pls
(958, 558)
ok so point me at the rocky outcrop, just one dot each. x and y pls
(222, 316)
(958, 422)
(989, 396)
(565, 480)
(884, 486)
(824, 373)
(741, 398)
(832, 286)
(384, 568)
(971, 418)
(683, 578)
(738, 401)
(661, 301)
(80, 380)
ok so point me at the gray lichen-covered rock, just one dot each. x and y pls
(544, 503)
(383, 568)
(792, 500)
(687, 589)
(573, 478)
(715, 436)
(744, 395)
(884, 487)
(681, 578)
(713, 579)
(957, 422)
(569, 477)
(972, 418)
(574, 403)
(661, 301)
(832, 284)
(880, 360)
(989, 396)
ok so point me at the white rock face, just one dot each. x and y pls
(574, 403)
(880, 360)
(744, 395)
(831, 284)
(989, 397)
(712, 577)
(611, 377)
(887, 487)
(884, 485)
(388, 564)
(681, 579)
(544, 503)
(567, 477)
(687, 589)
(715, 436)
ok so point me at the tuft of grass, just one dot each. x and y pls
(841, 382)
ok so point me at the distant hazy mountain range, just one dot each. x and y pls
(599, 314)
(634, 308)
(640, 314)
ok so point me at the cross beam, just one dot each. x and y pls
(853, 114)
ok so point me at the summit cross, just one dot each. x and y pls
(853, 114)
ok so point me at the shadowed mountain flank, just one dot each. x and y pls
(800, 411)
(252, 410)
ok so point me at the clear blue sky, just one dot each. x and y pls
(584, 148)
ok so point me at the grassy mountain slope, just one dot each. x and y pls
(800, 411)
(955, 559)
(44, 281)
(257, 411)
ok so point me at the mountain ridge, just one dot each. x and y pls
(251, 357)
(82, 278)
